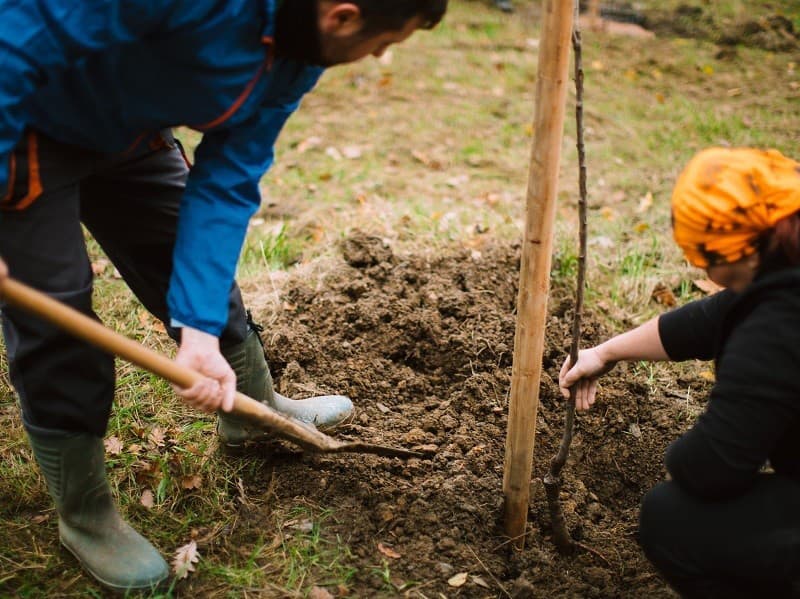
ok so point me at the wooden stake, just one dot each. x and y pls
(534, 281)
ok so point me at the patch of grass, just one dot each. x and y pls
(272, 249)
(308, 557)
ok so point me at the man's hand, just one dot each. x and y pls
(200, 352)
(590, 366)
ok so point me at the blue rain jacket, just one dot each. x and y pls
(103, 74)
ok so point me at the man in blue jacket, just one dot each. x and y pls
(88, 91)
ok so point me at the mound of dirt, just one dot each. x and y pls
(423, 344)
(770, 32)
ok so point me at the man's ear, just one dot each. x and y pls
(340, 19)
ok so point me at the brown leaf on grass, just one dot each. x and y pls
(480, 582)
(146, 321)
(352, 152)
(192, 482)
(707, 286)
(147, 499)
(708, 376)
(184, 560)
(663, 295)
(319, 593)
(308, 144)
(385, 59)
(113, 446)
(458, 580)
(426, 160)
(157, 437)
(99, 266)
(388, 551)
(40, 518)
(608, 213)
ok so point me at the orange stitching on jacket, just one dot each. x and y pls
(34, 178)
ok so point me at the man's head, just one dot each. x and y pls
(346, 31)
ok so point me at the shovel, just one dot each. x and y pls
(72, 321)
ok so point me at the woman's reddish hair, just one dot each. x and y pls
(785, 239)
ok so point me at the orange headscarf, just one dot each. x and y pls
(726, 199)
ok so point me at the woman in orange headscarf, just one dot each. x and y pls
(727, 522)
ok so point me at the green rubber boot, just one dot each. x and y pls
(254, 380)
(88, 522)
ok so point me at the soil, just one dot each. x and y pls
(424, 344)
(773, 32)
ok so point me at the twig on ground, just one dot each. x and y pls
(489, 572)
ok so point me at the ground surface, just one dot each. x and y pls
(423, 344)
(384, 264)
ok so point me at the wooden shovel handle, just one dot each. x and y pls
(91, 331)
(88, 329)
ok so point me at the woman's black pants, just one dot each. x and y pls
(745, 547)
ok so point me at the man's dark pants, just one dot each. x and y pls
(129, 203)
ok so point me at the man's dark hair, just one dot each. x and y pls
(392, 15)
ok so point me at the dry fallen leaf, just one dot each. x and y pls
(480, 582)
(319, 593)
(645, 203)
(184, 560)
(40, 518)
(99, 266)
(352, 152)
(192, 482)
(332, 152)
(707, 375)
(608, 213)
(388, 551)
(307, 144)
(157, 437)
(663, 295)
(147, 498)
(113, 446)
(707, 286)
(458, 580)
(385, 59)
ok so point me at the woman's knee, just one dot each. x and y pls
(660, 520)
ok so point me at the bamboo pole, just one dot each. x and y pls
(534, 281)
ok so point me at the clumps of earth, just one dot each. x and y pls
(423, 343)
(773, 32)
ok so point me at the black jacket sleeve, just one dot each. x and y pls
(690, 332)
(753, 405)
